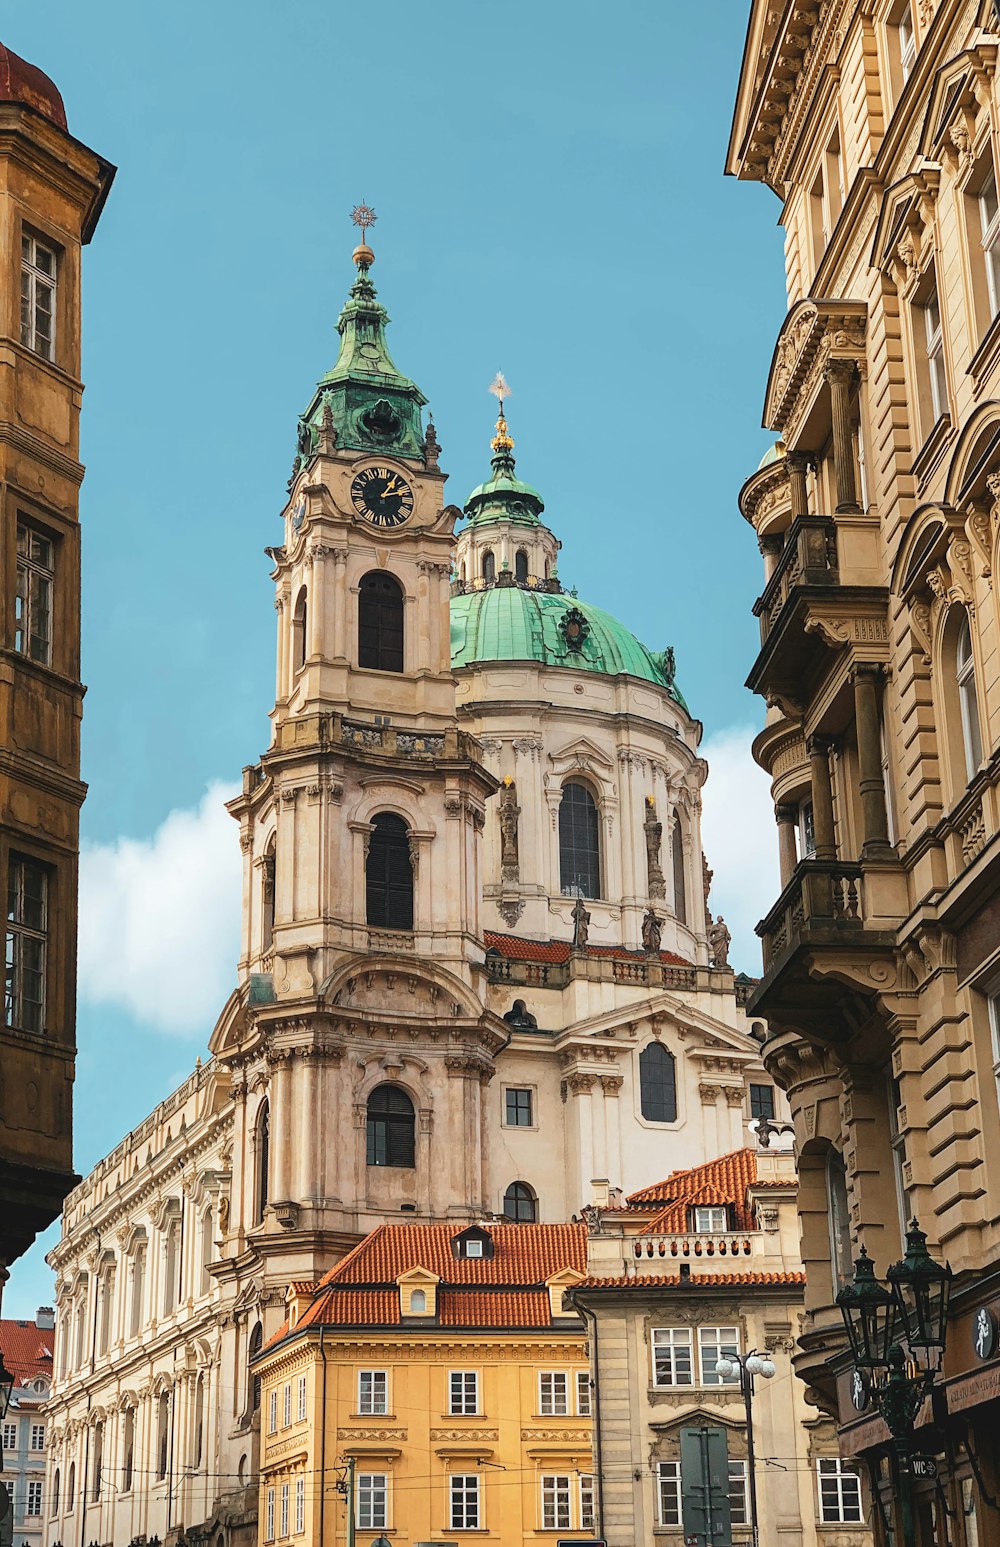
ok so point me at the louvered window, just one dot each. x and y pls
(389, 873)
(380, 622)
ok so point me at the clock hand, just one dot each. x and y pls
(389, 488)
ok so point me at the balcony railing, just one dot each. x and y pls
(684, 1247)
(809, 559)
(627, 970)
(822, 894)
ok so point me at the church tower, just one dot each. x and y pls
(358, 1041)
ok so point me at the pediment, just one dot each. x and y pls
(961, 87)
(904, 235)
(580, 753)
(814, 332)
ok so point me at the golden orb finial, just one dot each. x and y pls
(364, 216)
(502, 442)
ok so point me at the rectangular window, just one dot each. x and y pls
(518, 1108)
(37, 1436)
(989, 221)
(839, 1492)
(269, 1529)
(33, 595)
(807, 830)
(10, 1436)
(372, 1491)
(300, 1504)
(907, 42)
(38, 297)
(762, 1101)
(715, 1343)
(555, 1502)
(710, 1221)
(463, 1391)
(739, 1509)
(934, 351)
(669, 1492)
(34, 1497)
(373, 1391)
(464, 1487)
(672, 1356)
(284, 1509)
(27, 942)
(272, 1413)
(583, 1403)
(553, 1393)
(302, 1399)
(286, 1405)
(587, 1510)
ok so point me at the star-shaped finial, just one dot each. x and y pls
(499, 387)
(364, 216)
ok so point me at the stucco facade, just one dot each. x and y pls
(877, 126)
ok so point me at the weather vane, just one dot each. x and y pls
(364, 216)
(499, 388)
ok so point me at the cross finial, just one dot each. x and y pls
(500, 388)
(364, 216)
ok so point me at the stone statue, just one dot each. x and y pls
(706, 881)
(652, 929)
(719, 940)
(327, 431)
(581, 925)
(432, 446)
(657, 886)
(510, 811)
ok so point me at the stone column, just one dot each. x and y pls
(818, 748)
(339, 600)
(280, 691)
(797, 463)
(581, 1086)
(709, 1094)
(839, 376)
(787, 819)
(771, 549)
(875, 817)
(279, 1190)
(612, 1084)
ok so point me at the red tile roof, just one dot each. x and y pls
(27, 1350)
(722, 1181)
(696, 1281)
(515, 948)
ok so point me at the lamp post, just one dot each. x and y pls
(887, 1324)
(748, 1365)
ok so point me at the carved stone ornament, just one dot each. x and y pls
(652, 929)
(510, 811)
(656, 884)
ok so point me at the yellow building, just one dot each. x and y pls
(437, 1375)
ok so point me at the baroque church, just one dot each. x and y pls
(478, 977)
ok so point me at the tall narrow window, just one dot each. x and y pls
(521, 566)
(55, 1494)
(138, 1288)
(579, 842)
(657, 1084)
(677, 861)
(107, 1309)
(464, 1501)
(898, 1142)
(171, 1265)
(934, 352)
(389, 873)
(268, 871)
(254, 1347)
(965, 675)
(989, 223)
(380, 622)
(97, 1476)
(199, 1421)
(390, 1128)
(38, 297)
(840, 1220)
(907, 41)
(489, 566)
(128, 1450)
(27, 942)
(372, 1490)
(206, 1251)
(300, 621)
(520, 1205)
(263, 1158)
(807, 830)
(33, 598)
(81, 1329)
(35, 1496)
(71, 1486)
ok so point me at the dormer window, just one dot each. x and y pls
(474, 1243)
(473, 1248)
(711, 1220)
(418, 1302)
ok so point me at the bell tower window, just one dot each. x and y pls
(390, 1128)
(521, 566)
(489, 566)
(579, 843)
(299, 623)
(389, 873)
(380, 622)
(680, 882)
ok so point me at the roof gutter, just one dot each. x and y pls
(590, 1317)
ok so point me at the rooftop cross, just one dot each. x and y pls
(502, 443)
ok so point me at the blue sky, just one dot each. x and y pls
(550, 197)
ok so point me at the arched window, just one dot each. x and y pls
(138, 1288)
(677, 858)
(418, 1302)
(489, 565)
(106, 1309)
(390, 1127)
(81, 1329)
(838, 1210)
(71, 1489)
(461, 573)
(199, 1420)
(206, 1250)
(268, 870)
(579, 842)
(520, 1205)
(254, 1347)
(128, 1450)
(520, 565)
(171, 1264)
(299, 627)
(98, 1472)
(263, 1158)
(54, 1508)
(380, 622)
(965, 676)
(657, 1084)
(389, 873)
(162, 1434)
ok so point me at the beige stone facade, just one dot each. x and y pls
(877, 126)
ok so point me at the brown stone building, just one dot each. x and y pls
(52, 190)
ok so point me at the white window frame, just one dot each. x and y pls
(989, 224)
(587, 1501)
(556, 1501)
(37, 1440)
(10, 1435)
(272, 1411)
(711, 1219)
(907, 42)
(584, 1395)
(833, 1470)
(465, 1500)
(302, 1400)
(934, 353)
(993, 1003)
(368, 1405)
(459, 1392)
(807, 830)
(269, 1517)
(965, 677)
(550, 1403)
(35, 1488)
(286, 1405)
(283, 1514)
(667, 1342)
(300, 1505)
(738, 1485)
(34, 592)
(668, 1493)
(39, 293)
(714, 1343)
(27, 943)
(372, 1501)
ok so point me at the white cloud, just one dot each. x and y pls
(160, 918)
(739, 838)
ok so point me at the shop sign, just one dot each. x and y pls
(984, 1333)
(923, 1466)
(970, 1390)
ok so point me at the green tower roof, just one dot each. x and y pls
(504, 497)
(510, 622)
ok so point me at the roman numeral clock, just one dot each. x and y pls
(382, 497)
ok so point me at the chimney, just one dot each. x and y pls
(45, 1318)
(599, 1189)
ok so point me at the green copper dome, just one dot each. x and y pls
(508, 622)
(504, 497)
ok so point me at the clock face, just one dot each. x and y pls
(382, 496)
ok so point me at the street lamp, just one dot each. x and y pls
(748, 1366)
(913, 1310)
